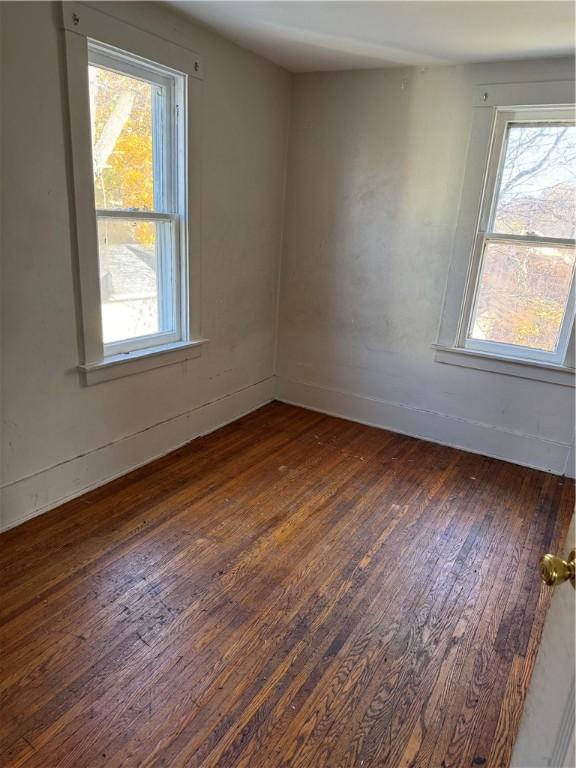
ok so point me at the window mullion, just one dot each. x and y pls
(529, 239)
(119, 213)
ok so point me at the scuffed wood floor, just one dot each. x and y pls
(292, 590)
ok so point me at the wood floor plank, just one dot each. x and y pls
(481, 664)
(293, 590)
(418, 656)
(448, 700)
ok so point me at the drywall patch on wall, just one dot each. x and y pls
(42, 491)
(486, 439)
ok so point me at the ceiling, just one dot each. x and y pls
(307, 36)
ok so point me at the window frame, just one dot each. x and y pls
(86, 27)
(503, 117)
(486, 98)
(169, 169)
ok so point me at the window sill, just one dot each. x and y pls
(524, 369)
(118, 366)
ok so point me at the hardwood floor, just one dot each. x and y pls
(292, 590)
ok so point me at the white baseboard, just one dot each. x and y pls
(31, 496)
(476, 437)
(44, 490)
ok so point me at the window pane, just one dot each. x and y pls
(135, 278)
(537, 194)
(522, 294)
(122, 140)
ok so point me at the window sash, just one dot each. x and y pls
(555, 357)
(169, 293)
(484, 235)
(164, 129)
(519, 118)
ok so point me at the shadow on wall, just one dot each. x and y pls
(375, 163)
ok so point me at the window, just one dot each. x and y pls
(135, 110)
(519, 302)
(138, 136)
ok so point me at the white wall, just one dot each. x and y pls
(59, 437)
(376, 164)
(375, 170)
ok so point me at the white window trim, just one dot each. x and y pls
(507, 366)
(83, 24)
(450, 347)
(117, 366)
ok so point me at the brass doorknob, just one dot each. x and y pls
(554, 570)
